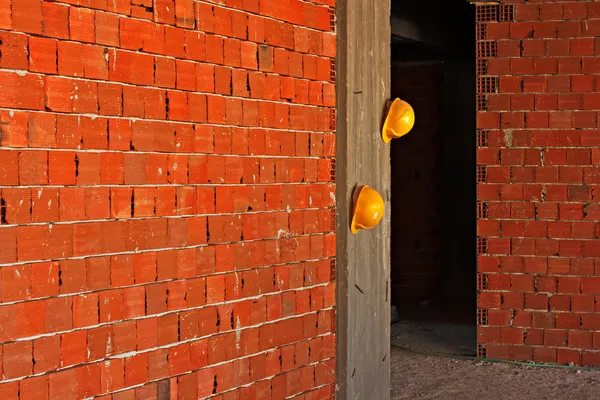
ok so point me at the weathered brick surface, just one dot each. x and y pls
(539, 181)
(167, 217)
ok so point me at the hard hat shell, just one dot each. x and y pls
(368, 209)
(399, 121)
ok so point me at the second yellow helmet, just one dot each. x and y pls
(368, 209)
(399, 121)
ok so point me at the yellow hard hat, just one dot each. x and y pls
(368, 209)
(399, 121)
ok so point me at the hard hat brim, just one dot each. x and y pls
(384, 135)
(353, 226)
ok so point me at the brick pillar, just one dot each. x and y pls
(538, 178)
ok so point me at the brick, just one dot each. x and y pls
(136, 369)
(97, 203)
(17, 359)
(42, 130)
(184, 13)
(16, 126)
(33, 168)
(6, 23)
(63, 384)
(121, 67)
(42, 53)
(58, 94)
(165, 10)
(566, 356)
(82, 25)
(14, 50)
(175, 42)
(88, 168)
(107, 28)
(27, 16)
(73, 348)
(96, 67)
(34, 388)
(62, 168)
(185, 75)
(28, 83)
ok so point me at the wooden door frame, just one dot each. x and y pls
(362, 158)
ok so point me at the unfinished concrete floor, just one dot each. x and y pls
(423, 377)
(415, 376)
(445, 337)
(445, 326)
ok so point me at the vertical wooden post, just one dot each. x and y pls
(363, 261)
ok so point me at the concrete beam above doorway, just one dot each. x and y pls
(415, 31)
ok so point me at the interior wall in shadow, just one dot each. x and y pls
(459, 135)
(433, 167)
(418, 247)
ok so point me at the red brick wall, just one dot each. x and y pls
(167, 209)
(539, 181)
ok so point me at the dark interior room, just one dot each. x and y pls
(433, 177)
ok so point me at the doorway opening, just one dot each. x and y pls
(433, 257)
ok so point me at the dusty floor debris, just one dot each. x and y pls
(445, 337)
(416, 376)
(423, 377)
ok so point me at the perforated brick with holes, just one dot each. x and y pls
(332, 19)
(487, 13)
(332, 120)
(332, 270)
(332, 170)
(482, 317)
(482, 67)
(481, 30)
(332, 70)
(482, 282)
(482, 138)
(507, 12)
(487, 84)
(487, 49)
(482, 245)
(481, 102)
(482, 210)
(481, 351)
(333, 219)
(481, 174)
